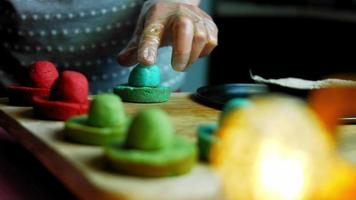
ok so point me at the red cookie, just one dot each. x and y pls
(69, 97)
(70, 87)
(42, 75)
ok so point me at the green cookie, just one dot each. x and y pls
(143, 94)
(77, 130)
(151, 129)
(177, 159)
(145, 76)
(152, 148)
(106, 110)
(105, 123)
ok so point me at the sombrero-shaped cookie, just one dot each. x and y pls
(206, 135)
(68, 97)
(106, 122)
(144, 86)
(152, 148)
(42, 75)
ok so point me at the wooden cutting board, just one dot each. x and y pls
(82, 170)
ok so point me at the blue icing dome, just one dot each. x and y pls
(145, 76)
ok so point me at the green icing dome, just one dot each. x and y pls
(106, 110)
(151, 129)
(145, 76)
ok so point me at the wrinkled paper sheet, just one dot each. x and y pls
(303, 84)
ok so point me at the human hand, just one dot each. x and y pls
(186, 27)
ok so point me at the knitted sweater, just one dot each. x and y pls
(80, 35)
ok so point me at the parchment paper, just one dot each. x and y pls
(302, 84)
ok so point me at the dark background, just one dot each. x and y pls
(284, 46)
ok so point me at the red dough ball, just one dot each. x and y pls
(71, 86)
(43, 74)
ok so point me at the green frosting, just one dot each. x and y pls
(231, 105)
(145, 76)
(143, 94)
(106, 110)
(151, 129)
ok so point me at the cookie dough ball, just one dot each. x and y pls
(106, 110)
(145, 76)
(43, 74)
(72, 87)
(151, 129)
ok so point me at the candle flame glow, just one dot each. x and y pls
(280, 174)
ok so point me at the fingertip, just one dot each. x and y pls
(127, 58)
(178, 65)
(145, 62)
(150, 42)
(210, 46)
(146, 57)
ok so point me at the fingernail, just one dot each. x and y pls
(180, 62)
(147, 56)
(122, 52)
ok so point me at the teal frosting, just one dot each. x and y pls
(232, 105)
(206, 139)
(145, 76)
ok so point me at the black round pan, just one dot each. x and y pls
(217, 95)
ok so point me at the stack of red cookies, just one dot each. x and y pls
(53, 96)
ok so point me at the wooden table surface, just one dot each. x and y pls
(81, 169)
